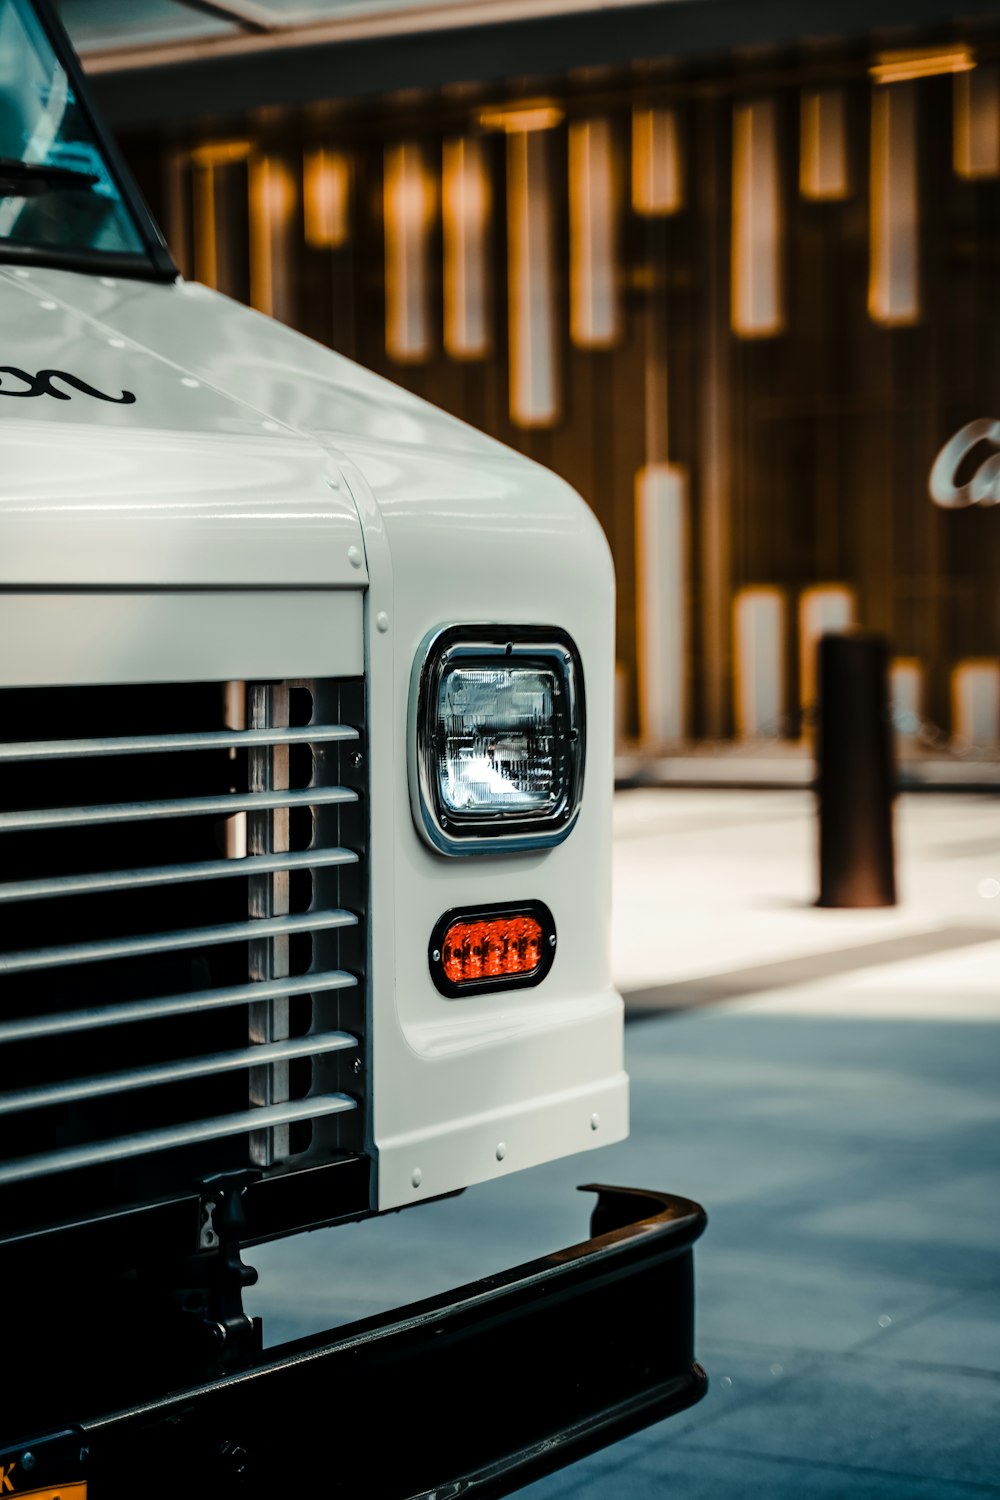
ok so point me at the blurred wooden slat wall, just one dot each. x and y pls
(804, 447)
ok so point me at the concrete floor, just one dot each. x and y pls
(828, 1085)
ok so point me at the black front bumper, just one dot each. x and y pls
(470, 1394)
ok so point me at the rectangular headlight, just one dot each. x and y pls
(499, 738)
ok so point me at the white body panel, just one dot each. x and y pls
(179, 636)
(273, 510)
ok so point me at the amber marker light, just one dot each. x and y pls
(491, 948)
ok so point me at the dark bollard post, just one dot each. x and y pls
(855, 771)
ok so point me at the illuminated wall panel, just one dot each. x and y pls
(326, 198)
(206, 255)
(661, 535)
(806, 456)
(758, 229)
(823, 149)
(534, 397)
(906, 692)
(212, 228)
(408, 195)
(759, 660)
(975, 702)
(465, 207)
(593, 250)
(272, 204)
(894, 270)
(977, 122)
(825, 608)
(657, 171)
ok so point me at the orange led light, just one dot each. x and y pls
(491, 949)
(503, 946)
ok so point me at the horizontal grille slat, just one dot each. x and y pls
(150, 744)
(174, 1072)
(63, 1023)
(170, 942)
(172, 807)
(217, 869)
(74, 1158)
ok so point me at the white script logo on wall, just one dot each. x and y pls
(983, 487)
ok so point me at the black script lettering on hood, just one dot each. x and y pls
(41, 385)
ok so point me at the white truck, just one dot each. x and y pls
(305, 780)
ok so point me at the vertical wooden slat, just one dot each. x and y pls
(177, 188)
(272, 194)
(206, 261)
(657, 169)
(823, 149)
(714, 445)
(977, 122)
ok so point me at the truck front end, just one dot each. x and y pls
(305, 779)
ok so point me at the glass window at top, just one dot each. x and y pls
(57, 192)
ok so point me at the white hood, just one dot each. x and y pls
(198, 441)
(132, 467)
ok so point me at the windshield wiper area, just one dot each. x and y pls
(25, 179)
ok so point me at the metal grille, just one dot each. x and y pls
(182, 902)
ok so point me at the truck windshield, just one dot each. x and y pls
(57, 191)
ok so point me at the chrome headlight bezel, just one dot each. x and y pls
(510, 830)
